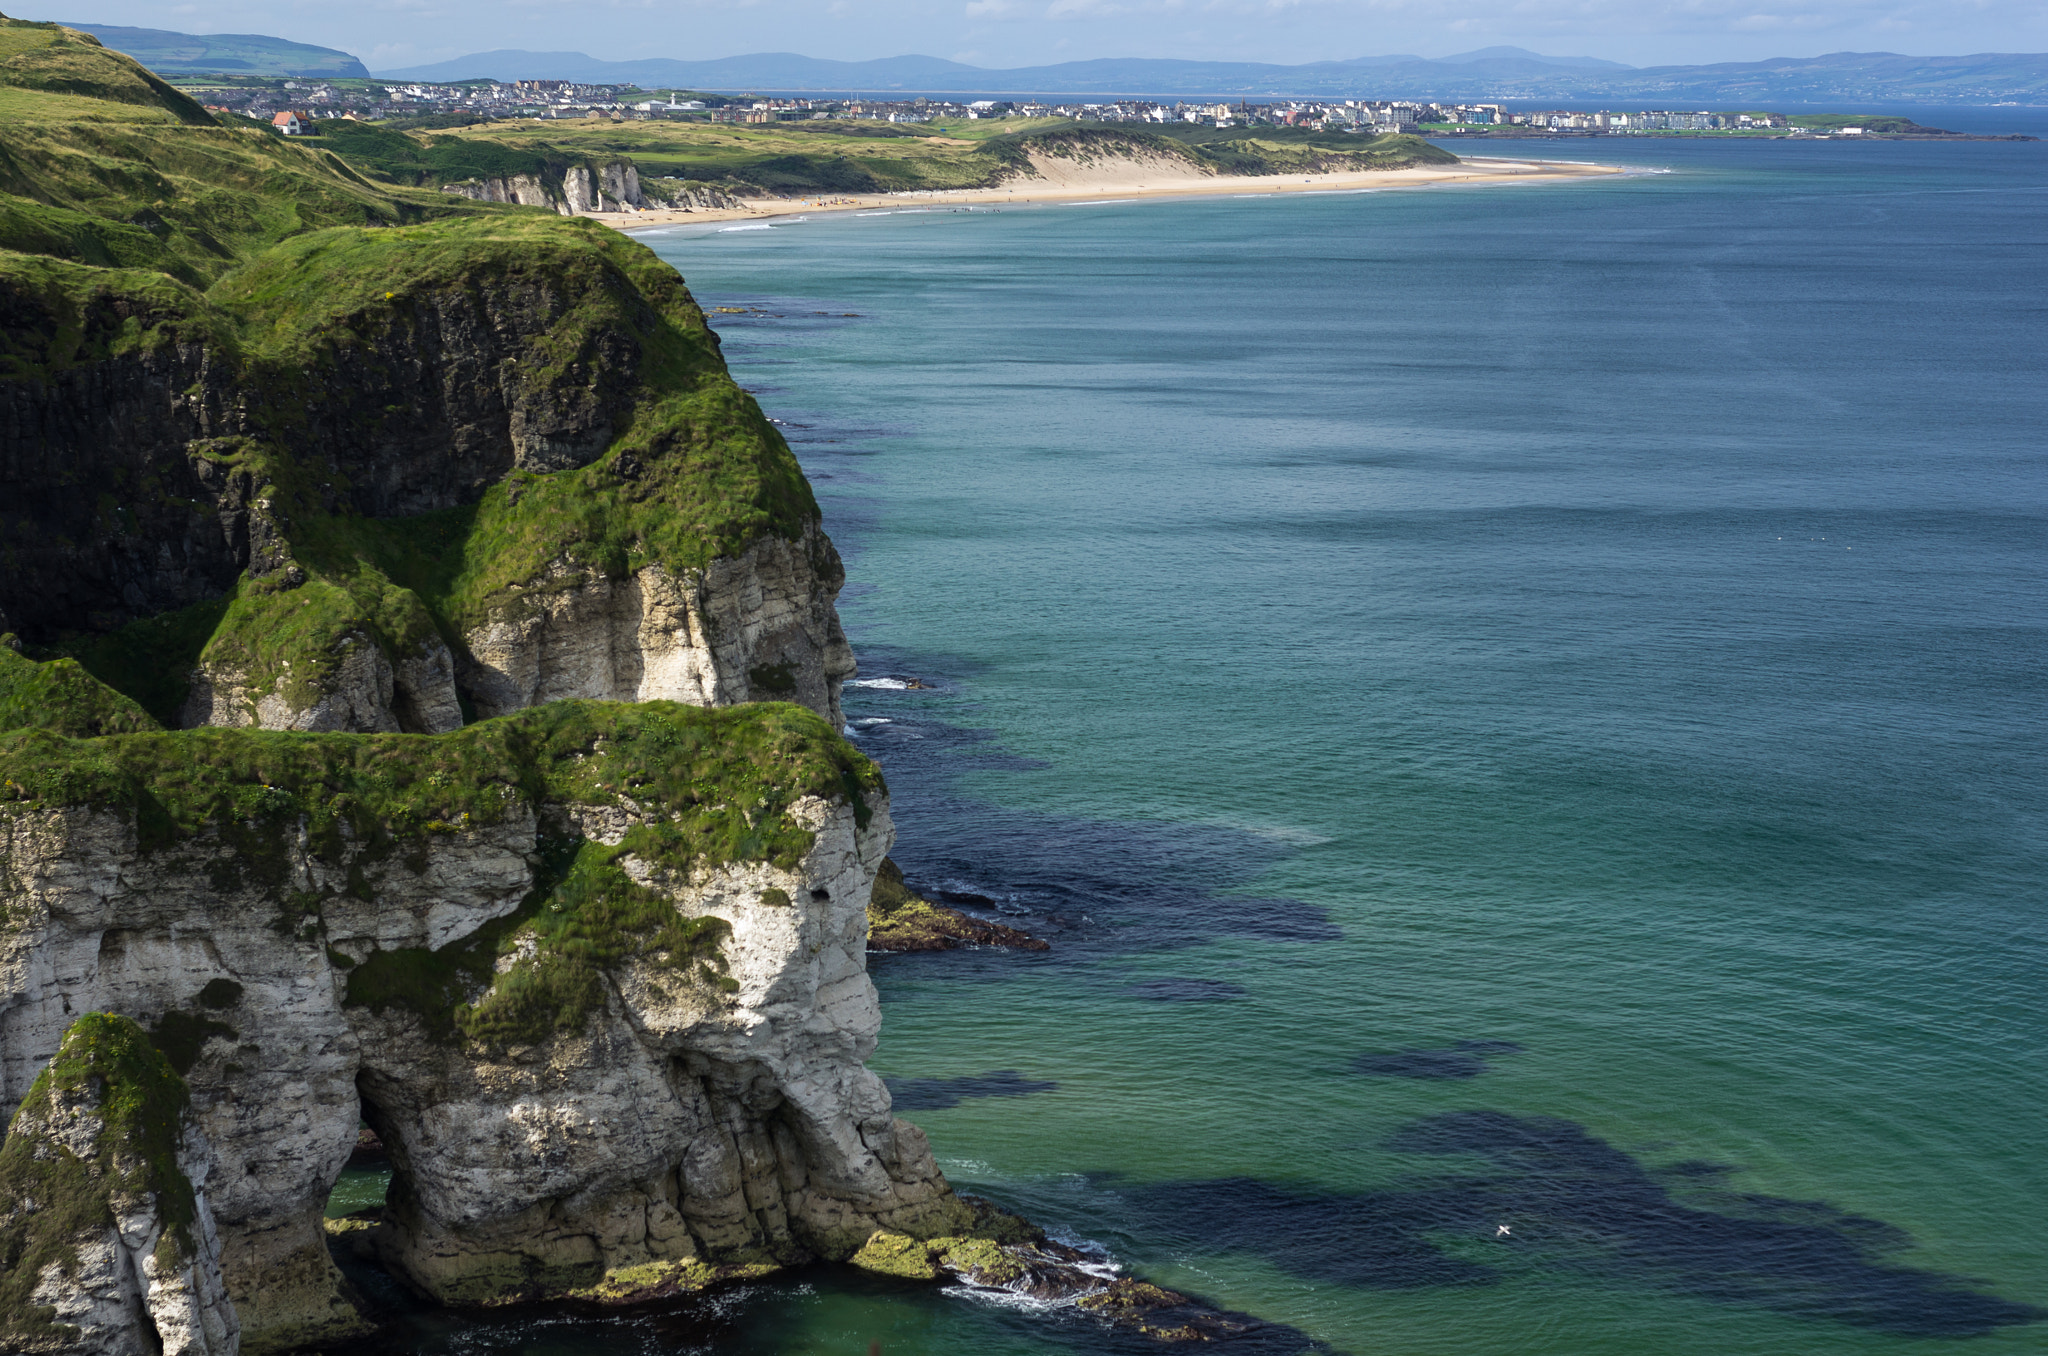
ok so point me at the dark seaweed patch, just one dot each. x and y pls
(1186, 990)
(1466, 1059)
(1574, 1202)
(936, 1094)
(1088, 885)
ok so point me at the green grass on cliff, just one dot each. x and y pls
(283, 260)
(55, 316)
(191, 202)
(717, 786)
(51, 1200)
(149, 661)
(585, 916)
(58, 63)
(726, 776)
(63, 697)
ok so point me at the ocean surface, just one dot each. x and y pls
(1521, 712)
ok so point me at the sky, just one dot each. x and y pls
(388, 34)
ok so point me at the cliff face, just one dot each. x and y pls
(598, 1029)
(613, 187)
(248, 451)
(760, 627)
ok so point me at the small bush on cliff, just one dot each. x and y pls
(51, 1199)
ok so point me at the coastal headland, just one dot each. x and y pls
(420, 713)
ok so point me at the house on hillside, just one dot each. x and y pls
(288, 123)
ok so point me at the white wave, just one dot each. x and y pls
(875, 720)
(761, 227)
(889, 684)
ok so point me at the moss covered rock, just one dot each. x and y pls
(900, 919)
(106, 1244)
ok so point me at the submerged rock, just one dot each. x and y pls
(899, 919)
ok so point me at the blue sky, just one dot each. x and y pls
(392, 33)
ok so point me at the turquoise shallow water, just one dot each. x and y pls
(1516, 706)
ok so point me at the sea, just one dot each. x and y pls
(1522, 711)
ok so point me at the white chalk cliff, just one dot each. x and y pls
(683, 1121)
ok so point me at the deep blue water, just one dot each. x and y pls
(1516, 706)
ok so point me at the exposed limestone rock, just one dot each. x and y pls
(356, 695)
(107, 1243)
(714, 1111)
(423, 686)
(612, 187)
(686, 196)
(621, 183)
(758, 628)
(358, 691)
(525, 189)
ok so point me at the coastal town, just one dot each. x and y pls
(480, 100)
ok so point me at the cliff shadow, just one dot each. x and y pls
(1091, 887)
(938, 1094)
(1550, 1197)
(1466, 1059)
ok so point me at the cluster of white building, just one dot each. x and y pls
(564, 99)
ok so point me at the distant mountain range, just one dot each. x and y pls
(169, 53)
(1491, 73)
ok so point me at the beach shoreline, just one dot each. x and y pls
(1140, 186)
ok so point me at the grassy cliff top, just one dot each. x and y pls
(289, 264)
(720, 780)
(189, 201)
(49, 73)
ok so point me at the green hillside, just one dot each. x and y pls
(49, 73)
(852, 157)
(146, 246)
(225, 53)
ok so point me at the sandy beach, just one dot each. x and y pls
(1123, 179)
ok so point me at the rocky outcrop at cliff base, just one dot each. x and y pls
(594, 974)
(107, 1241)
